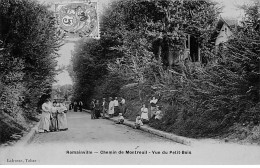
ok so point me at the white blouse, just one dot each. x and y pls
(54, 109)
(46, 107)
(115, 102)
(144, 114)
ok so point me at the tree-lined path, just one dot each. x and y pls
(152, 48)
(84, 130)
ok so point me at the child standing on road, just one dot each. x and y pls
(120, 119)
(138, 122)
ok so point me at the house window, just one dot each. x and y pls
(192, 47)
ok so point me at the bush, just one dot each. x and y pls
(28, 47)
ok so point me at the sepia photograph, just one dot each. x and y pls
(129, 82)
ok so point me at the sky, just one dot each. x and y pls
(229, 10)
(65, 51)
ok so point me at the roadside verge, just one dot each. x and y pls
(146, 128)
(28, 137)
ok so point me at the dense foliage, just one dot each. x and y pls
(28, 45)
(199, 100)
(223, 93)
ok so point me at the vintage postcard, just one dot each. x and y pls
(129, 82)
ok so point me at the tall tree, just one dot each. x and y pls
(28, 43)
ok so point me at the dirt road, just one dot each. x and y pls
(104, 142)
(84, 130)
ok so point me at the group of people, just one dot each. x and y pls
(53, 117)
(76, 106)
(112, 107)
(143, 118)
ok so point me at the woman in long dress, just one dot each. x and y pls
(123, 106)
(62, 118)
(144, 114)
(111, 107)
(44, 125)
(54, 114)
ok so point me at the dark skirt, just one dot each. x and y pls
(93, 114)
(97, 113)
(123, 108)
(75, 108)
(80, 108)
(54, 123)
(117, 111)
(121, 121)
(145, 121)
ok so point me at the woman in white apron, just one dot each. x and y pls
(62, 118)
(111, 107)
(44, 125)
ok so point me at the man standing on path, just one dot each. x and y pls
(97, 109)
(116, 107)
(92, 108)
(71, 105)
(75, 106)
(122, 105)
(104, 105)
(80, 106)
